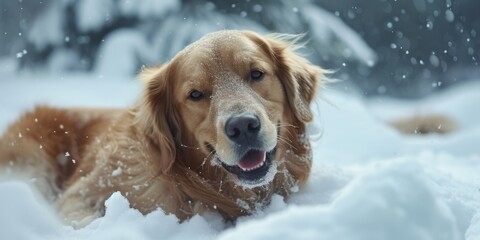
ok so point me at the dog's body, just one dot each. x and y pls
(220, 128)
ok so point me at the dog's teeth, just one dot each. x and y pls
(253, 168)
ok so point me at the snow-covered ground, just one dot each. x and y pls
(368, 180)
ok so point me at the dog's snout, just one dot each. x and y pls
(242, 129)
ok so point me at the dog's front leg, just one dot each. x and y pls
(84, 201)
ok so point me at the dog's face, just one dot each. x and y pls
(232, 93)
(231, 101)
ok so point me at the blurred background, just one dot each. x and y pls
(399, 48)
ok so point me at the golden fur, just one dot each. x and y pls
(157, 153)
(425, 124)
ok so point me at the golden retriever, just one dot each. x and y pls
(221, 127)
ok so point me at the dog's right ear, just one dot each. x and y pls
(157, 115)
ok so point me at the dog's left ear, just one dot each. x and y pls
(299, 77)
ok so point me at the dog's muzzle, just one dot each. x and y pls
(254, 159)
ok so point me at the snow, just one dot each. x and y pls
(449, 15)
(47, 29)
(368, 181)
(147, 8)
(121, 48)
(93, 16)
(330, 30)
(393, 201)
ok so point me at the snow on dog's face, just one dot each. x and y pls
(233, 96)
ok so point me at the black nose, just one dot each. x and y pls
(242, 129)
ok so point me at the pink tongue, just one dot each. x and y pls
(252, 159)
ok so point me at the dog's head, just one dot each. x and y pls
(232, 96)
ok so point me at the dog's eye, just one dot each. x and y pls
(256, 75)
(195, 95)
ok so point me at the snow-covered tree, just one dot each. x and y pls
(402, 48)
(118, 36)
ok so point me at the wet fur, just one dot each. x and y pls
(153, 153)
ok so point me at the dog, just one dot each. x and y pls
(425, 124)
(219, 128)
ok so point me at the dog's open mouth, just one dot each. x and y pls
(252, 160)
(253, 166)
